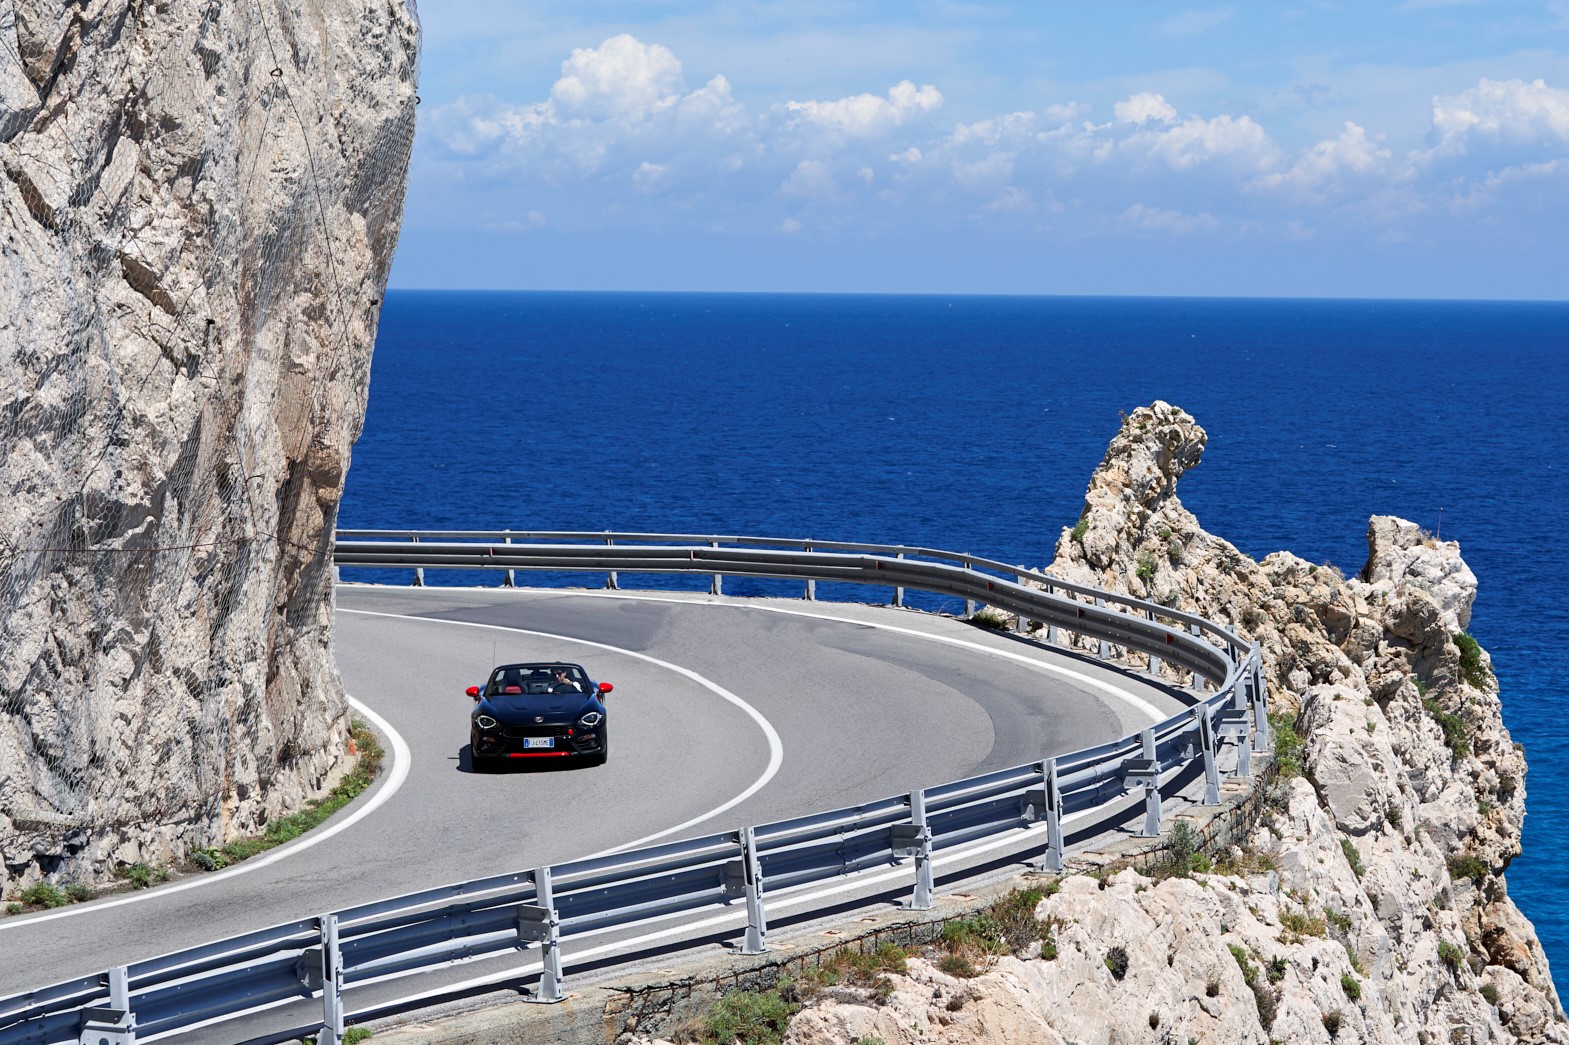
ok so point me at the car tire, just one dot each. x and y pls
(483, 763)
(604, 748)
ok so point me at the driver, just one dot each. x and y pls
(561, 682)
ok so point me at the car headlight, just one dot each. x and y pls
(590, 720)
(485, 722)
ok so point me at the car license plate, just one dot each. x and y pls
(539, 742)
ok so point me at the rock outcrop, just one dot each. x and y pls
(1371, 904)
(199, 205)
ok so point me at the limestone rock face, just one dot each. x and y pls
(198, 208)
(1377, 908)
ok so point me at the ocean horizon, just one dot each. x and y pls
(973, 423)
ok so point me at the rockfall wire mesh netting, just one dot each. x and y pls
(199, 206)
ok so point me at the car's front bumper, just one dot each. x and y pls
(565, 741)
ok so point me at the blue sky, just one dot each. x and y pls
(1417, 148)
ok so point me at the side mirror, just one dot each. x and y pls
(473, 691)
(605, 687)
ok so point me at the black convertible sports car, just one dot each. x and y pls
(545, 710)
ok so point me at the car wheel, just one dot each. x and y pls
(604, 749)
(483, 763)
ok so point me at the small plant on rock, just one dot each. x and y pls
(42, 894)
(1452, 956)
(1117, 961)
(1457, 733)
(1146, 568)
(1332, 1023)
(1463, 867)
(1353, 857)
(1471, 667)
(1349, 984)
(1078, 531)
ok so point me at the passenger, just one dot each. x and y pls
(561, 682)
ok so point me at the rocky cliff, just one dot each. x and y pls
(198, 209)
(1371, 904)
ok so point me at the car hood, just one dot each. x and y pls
(553, 707)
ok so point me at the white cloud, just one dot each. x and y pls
(1144, 107)
(789, 226)
(1512, 111)
(868, 115)
(1195, 142)
(1156, 219)
(649, 178)
(811, 179)
(1192, 23)
(621, 77)
(1330, 164)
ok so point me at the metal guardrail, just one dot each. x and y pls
(327, 957)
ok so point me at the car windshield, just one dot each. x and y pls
(518, 679)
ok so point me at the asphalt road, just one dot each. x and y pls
(725, 712)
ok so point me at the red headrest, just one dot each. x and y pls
(513, 689)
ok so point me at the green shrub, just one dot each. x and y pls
(79, 892)
(1288, 744)
(1300, 923)
(14, 908)
(1117, 961)
(355, 1035)
(1451, 955)
(958, 965)
(1277, 969)
(1332, 1023)
(1461, 867)
(1146, 568)
(1353, 857)
(1489, 994)
(42, 894)
(1471, 667)
(139, 875)
(1456, 731)
(1181, 847)
(1263, 998)
(987, 617)
(1078, 531)
(750, 1017)
(1349, 984)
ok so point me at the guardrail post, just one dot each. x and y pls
(508, 579)
(331, 983)
(1152, 790)
(1103, 648)
(1260, 699)
(915, 839)
(1021, 623)
(898, 591)
(1208, 742)
(419, 571)
(612, 582)
(1154, 668)
(1051, 629)
(756, 941)
(1199, 685)
(717, 585)
(539, 923)
(1047, 805)
(969, 604)
(114, 1024)
(811, 582)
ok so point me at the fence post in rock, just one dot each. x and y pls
(811, 582)
(1260, 699)
(756, 941)
(115, 1024)
(1154, 668)
(612, 582)
(539, 923)
(419, 571)
(1208, 742)
(1103, 648)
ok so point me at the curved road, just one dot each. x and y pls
(725, 712)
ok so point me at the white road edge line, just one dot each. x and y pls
(1137, 703)
(775, 745)
(401, 758)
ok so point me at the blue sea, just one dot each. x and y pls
(973, 424)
